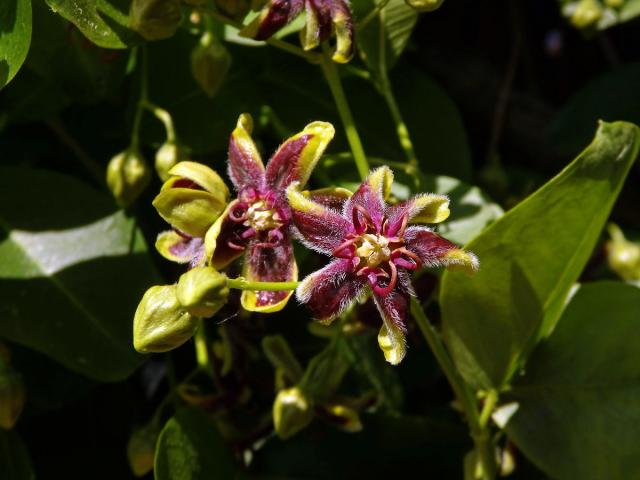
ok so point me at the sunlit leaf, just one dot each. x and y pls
(15, 37)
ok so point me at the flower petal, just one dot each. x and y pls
(435, 251)
(203, 176)
(268, 264)
(423, 208)
(223, 242)
(188, 210)
(343, 26)
(318, 23)
(180, 248)
(297, 156)
(317, 227)
(394, 308)
(245, 164)
(329, 291)
(370, 195)
(275, 15)
(332, 197)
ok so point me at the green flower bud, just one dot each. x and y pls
(168, 156)
(292, 412)
(141, 449)
(210, 62)
(623, 256)
(161, 323)
(202, 291)
(586, 13)
(237, 9)
(155, 19)
(424, 5)
(12, 396)
(127, 176)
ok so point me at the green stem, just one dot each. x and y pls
(333, 79)
(142, 99)
(401, 127)
(489, 406)
(202, 350)
(165, 117)
(478, 427)
(241, 283)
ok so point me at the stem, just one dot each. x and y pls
(202, 350)
(478, 422)
(241, 283)
(142, 99)
(333, 79)
(165, 117)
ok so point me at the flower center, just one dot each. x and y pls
(372, 249)
(260, 217)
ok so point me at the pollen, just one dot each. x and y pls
(260, 217)
(373, 249)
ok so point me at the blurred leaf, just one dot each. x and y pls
(530, 258)
(630, 10)
(190, 448)
(101, 21)
(382, 41)
(14, 459)
(72, 272)
(607, 97)
(582, 386)
(15, 37)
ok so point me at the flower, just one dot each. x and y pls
(257, 223)
(322, 18)
(191, 199)
(374, 249)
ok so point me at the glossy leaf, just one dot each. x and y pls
(66, 250)
(15, 37)
(14, 459)
(530, 258)
(104, 22)
(582, 387)
(190, 448)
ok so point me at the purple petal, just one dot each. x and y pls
(226, 240)
(245, 165)
(343, 26)
(368, 201)
(276, 15)
(331, 197)
(394, 308)
(329, 291)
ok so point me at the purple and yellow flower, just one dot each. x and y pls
(374, 249)
(256, 224)
(323, 17)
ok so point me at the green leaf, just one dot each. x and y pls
(382, 41)
(190, 448)
(72, 273)
(14, 459)
(529, 260)
(629, 11)
(578, 407)
(15, 37)
(101, 21)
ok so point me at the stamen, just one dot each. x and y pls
(234, 246)
(238, 218)
(356, 220)
(403, 251)
(337, 251)
(384, 291)
(249, 232)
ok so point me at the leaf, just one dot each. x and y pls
(582, 387)
(14, 459)
(381, 43)
(15, 37)
(101, 21)
(190, 448)
(529, 260)
(630, 10)
(72, 273)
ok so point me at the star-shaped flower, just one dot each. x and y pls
(257, 223)
(374, 249)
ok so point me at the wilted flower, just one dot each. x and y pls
(256, 224)
(322, 18)
(373, 249)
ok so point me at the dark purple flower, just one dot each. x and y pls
(374, 250)
(257, 223)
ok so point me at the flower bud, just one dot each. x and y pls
(12, 396)
(161, 323)
(127, 176)
(141, 449)
(155, 19)
(586, 13)
(424, 5)
(623, 256)
(202, 291)
(210, 62)
(167, 156)
(292, 412)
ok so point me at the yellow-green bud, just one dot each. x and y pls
(586, 13)
(155, 19)
(127, 176)
(141, 449)
(424, 5)
(202, 291)
(12, 396)
(237, 8)
(292, 412)
(167, 156)
(210, 62)
(623, 256)
(161, 323)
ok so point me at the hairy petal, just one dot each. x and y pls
(318, 23)
(394, 308)
(223, 241)
(180, 248)
(245, 164)
(332, 197)
(268, 264)
(371, 194)
(297, 156)
(318, 227)
(435, 251)
(423, 208)
(329, 291)
(343, 26)
(275, 15)
(201, 175)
